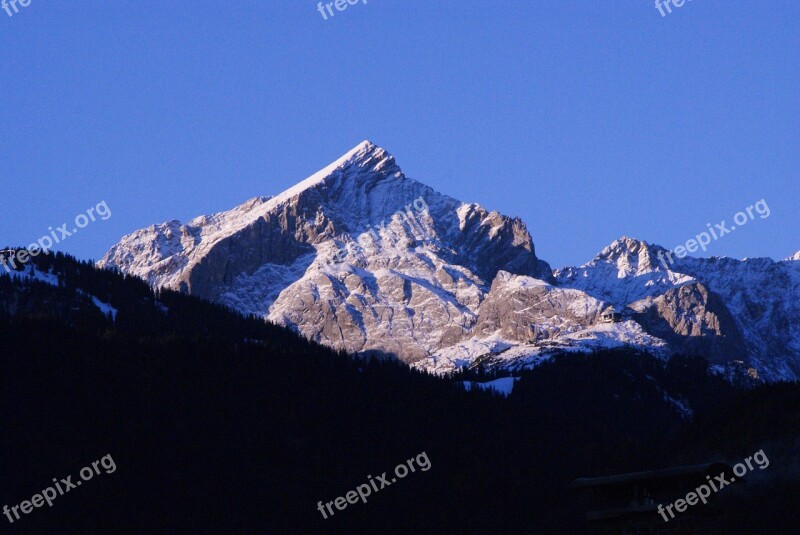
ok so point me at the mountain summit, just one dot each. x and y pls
(357, 256)
(362, 258)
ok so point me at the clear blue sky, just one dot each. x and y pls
(589, 120)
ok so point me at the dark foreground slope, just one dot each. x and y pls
(219, 423)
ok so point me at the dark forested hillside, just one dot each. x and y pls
(221, 423)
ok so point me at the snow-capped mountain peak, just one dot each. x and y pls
(357, 256)
(361, 257)
(630, 256)
(364, 157)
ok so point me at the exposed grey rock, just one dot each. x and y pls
(362, 258)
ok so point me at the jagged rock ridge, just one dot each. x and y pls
(362, 258)
(417, 266)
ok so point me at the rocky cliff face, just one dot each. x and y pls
(358, 256)
(362, 258)
(722, 308)
(693, 321)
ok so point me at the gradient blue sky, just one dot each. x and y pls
(589, 120)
